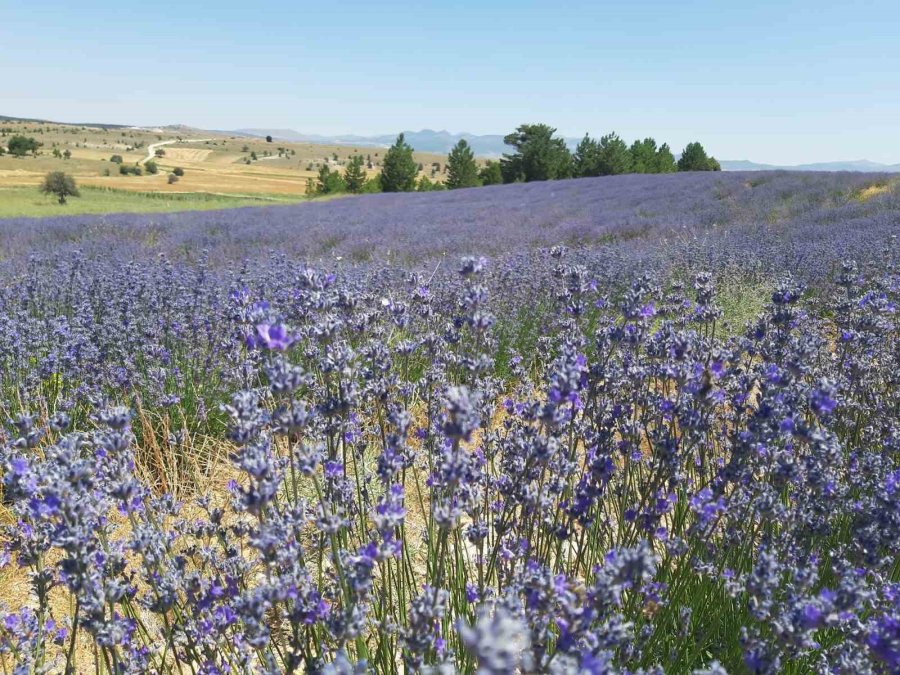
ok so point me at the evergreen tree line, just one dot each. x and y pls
(538, 154)
(541, 155)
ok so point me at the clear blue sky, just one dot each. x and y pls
(778, 81)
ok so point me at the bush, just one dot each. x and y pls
(172, 178)
(116, 159)
(178, 171)
(330, 182)
(151, 167)
(491, 174)
(130, 170)
(19, 146)
(160, 152)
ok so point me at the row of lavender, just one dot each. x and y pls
(635, 490)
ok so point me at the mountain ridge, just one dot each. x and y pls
(492, 145)
(484, 145)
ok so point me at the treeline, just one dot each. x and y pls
(538, 154)
(541, 155)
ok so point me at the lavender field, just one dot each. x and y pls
(632, 424)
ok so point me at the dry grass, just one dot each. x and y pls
(217, 166)
(874, 191)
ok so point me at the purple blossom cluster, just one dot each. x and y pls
(228, 459)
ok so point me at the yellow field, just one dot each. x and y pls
(212, 163)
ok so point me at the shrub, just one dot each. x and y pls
(19, 146)
(491, 173)
(151, 167)
(172, 178)
(330, 182)
(178, 171)
(116, 159)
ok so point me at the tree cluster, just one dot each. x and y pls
(540, 155)
(19, 146)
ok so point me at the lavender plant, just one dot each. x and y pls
(559, 460)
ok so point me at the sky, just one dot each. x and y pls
(784, 82)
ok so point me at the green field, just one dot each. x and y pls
(27, 201)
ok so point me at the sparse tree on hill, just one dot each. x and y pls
(246, 148)
(172, 178)
(539, 155)
(253, 155)
(56, 153)
(67, 154)
(399, 171)
(462, 171)
(268, 139)
(19, 146)
(178, 171)
(490, 173)
(2, 151)
(116, 159)
(60, 185)
(151, 166)
(613, 155)
(694, 158)
(355, 175)
(160, 152)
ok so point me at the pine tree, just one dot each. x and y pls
(462, 171)
(643, 156)
(329, 181)
(586, 161)
(614, 156)
(398, 173)
(694, 158)
(664, 162)
(490, 173)
(539, 155)
(355, 175)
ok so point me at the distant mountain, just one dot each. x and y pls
(491, 145)
(96, 125)
(486, 145)
(861, 165)
(426, 140)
